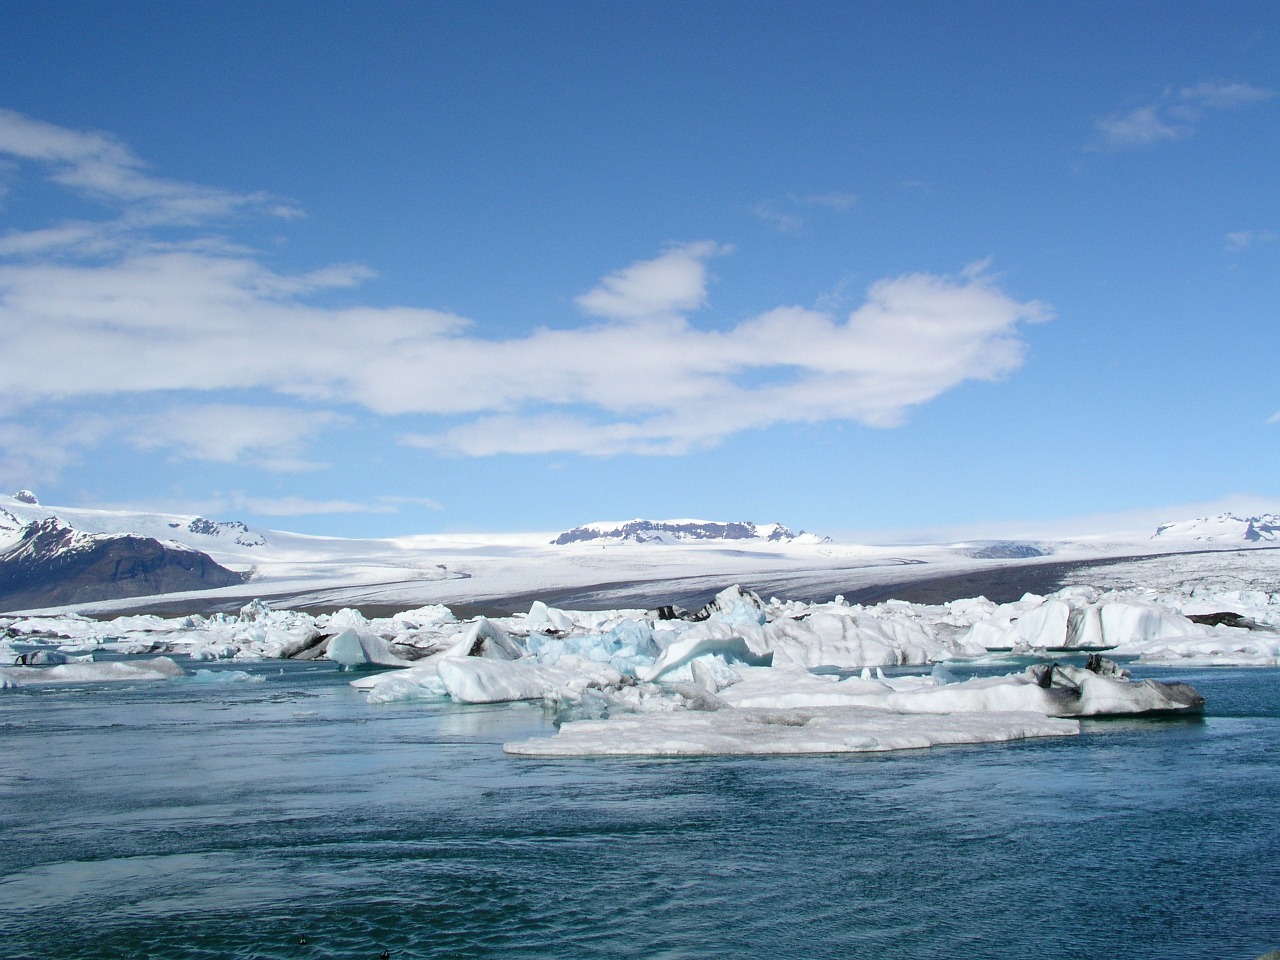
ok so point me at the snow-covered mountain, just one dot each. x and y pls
(48, 562)
(646, 563)
(680, 531)
(229, 536)
(1224, 528)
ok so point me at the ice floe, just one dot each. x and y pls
(161, 668)
(813, 730)
(741, 675)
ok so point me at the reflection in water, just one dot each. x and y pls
(232, 819)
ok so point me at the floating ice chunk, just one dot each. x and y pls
(548, 619)
(1084, 628)
(213, 651)
(1130, 621)
(479, 680)
(225, 676)
(254, 611)
(433, 614)
(356, 648)
(161, 668)
(850, 640)
(712, 673)
(1044, 625)
(700, 640)
(487, 640)
(419, 682)
(1218, 646)
(346, 619)
(46, 658)
(1062, 692)
(484, 640)
(736, 606)
(790, 686)
(815, 730)
(626, 646)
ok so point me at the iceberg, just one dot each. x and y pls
(793, 731)
(358, 648)
(1049, 689)
(480, 680)
(161, 668)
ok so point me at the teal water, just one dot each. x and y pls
(205, 819)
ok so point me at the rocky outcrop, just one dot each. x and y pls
(229, 529)
(53, 564)
(1007, 550)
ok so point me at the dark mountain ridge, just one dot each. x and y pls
(52, 564)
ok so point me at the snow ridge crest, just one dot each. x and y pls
(681, 531)
(1224, 527)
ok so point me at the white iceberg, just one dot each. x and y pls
(795, 731)
(480, 680)
(161, 668)
(359, 648)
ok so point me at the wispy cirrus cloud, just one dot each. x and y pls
(787, 215)
(102, 167)
(272, 438)
(297, 506)
(1175, 115)
(92, 311)
(1238, 240)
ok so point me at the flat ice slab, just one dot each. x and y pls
(794, 731)
(161, 668)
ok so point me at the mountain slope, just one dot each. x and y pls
(52, 564)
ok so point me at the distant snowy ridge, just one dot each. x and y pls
(232, 529)
(1225, 527)
(679, 531)
(196, 532)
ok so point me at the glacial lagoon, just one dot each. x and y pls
(250, 807)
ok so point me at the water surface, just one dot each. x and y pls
(232, 819)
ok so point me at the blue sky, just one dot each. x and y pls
(390, 268)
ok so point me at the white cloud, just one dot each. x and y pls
(834, 200)
(296, 506)
(782, 221)
(1244, 239)
(30, 457)
(1221, 96)
(413, 502)
(671, 389)
(667, 286)
(204, 317)
(1175, 115)
(272, 438)
(1138, 128)
(101, 167)
(784, 215)
(301, 506)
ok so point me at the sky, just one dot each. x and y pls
(387, 268)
